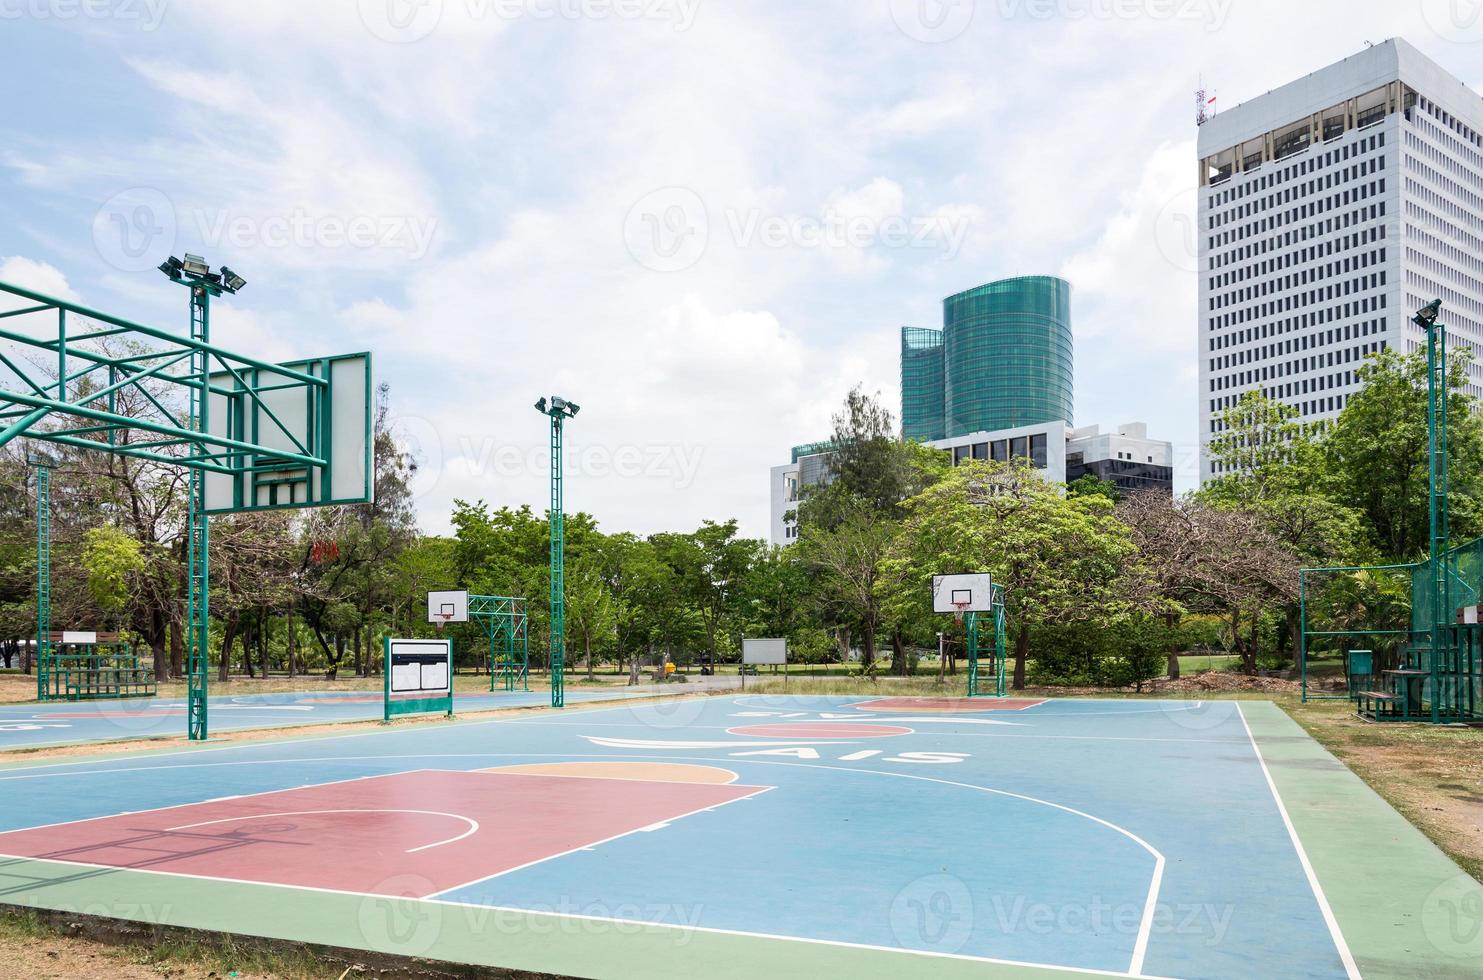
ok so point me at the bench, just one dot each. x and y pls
(1372, 703)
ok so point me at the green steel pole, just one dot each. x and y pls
(43, 579)
(198, 530)
(972, 651)
(558, 571)
(1303, 630)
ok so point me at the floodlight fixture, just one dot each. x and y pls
(573, 408)
(558, 404)
(196, 265)
(1427, 316)
(231, 281)
(541, 405)
(171, 267)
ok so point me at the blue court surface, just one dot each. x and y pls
(729, 836)
(29, 726)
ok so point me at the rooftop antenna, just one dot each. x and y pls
(1204, 104)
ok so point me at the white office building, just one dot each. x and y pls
(1125, 456)
(1330, 210)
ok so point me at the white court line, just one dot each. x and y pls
(182, 806)
(661, 926)
(287, 739)
(1140, 946)
(1347, 957)
(756, 791)
(473, 824)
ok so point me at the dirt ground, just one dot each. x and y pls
(63, 947)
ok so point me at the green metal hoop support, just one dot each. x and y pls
(986, 643)
(506, 625)
(43, 574)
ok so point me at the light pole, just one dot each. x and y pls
(43, 465)
(193, 273)
(558, 410)
(1437, 390)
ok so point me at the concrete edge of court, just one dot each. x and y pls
(1396, 896)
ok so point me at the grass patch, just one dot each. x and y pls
(56, 944)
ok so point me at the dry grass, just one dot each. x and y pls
(56, 946)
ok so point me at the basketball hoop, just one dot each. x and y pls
(959, 609)
(441, 619)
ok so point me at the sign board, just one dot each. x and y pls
(280, 412)
(418, 677)
(973, 592)
(451, 606)
(764, 651)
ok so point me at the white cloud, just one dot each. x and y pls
(1141, 270)
(523, 143)
(38, 277)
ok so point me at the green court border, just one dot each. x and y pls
(1392, 891)
(1387, 885)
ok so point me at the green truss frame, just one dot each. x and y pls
(506, 625)
(986, 645)
(84, 398)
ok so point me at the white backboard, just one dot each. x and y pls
(974, 588)
(451, 606)
(332, 422)
(764, 651)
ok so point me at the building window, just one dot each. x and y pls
(960, 453)
(1019, 447)
(1000, 451)
(981, 451)
(1037, 450)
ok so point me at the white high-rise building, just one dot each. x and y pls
(1330, 210)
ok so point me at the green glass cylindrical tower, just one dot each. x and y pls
(1007, 355)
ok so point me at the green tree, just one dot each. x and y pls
(113, 561)
(1377, 453)
(1059, 558)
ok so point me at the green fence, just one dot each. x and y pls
(1419, 673)
(93, 671)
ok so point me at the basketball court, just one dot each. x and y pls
(34, 726)
(746, 835)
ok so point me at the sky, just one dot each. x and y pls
(704, 222)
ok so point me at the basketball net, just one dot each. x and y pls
(962, 607)
(442, 621)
